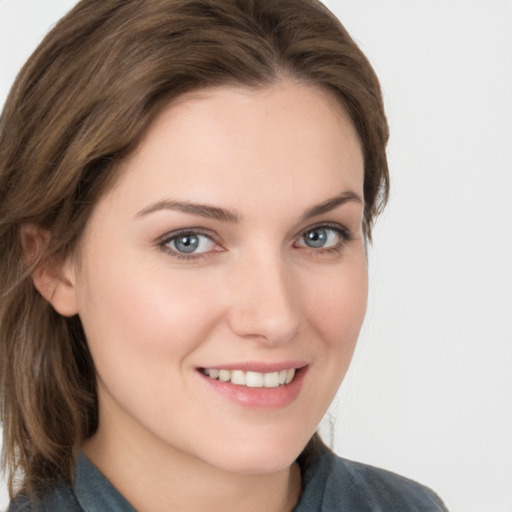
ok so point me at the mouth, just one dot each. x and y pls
(251, 379)
(256, 385)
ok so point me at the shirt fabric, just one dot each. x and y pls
(330, 484)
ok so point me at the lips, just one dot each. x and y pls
(252, 379)
(257, 386)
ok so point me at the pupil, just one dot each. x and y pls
(187, 243)
(315, 238)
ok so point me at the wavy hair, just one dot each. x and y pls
(79, 107)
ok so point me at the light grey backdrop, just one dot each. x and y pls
(430, 392)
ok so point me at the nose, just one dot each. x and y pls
(264, 303)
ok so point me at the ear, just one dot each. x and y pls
(54, 279)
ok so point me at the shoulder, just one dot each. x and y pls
(331, 483)
(58, 499)
(389, 489)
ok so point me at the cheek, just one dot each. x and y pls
(132, 314)
(337, 306)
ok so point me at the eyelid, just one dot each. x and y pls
(335, 226)
(185, 231)
(345, 235)
(163, 240)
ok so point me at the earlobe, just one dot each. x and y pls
(52, 278)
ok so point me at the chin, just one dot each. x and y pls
(261, 456)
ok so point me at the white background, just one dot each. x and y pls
(430, 392)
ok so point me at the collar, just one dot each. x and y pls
(94, 492)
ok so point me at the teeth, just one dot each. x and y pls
(252, 379)
(224, 375)
(271, 380)
(238, 377)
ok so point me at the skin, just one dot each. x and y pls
(256, 292)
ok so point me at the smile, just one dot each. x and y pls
(251, 379)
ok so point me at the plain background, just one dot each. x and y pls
(429, 394)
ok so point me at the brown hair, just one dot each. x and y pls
(79, 106)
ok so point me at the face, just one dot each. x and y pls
(222, 283)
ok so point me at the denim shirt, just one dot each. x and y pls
(330, 484)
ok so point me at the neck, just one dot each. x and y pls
(157, 478)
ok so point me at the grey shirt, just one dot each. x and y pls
(330, 484)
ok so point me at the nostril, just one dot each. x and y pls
(271, 327)
(263, 304)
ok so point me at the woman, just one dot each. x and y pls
(187, 189)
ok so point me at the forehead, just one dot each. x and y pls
(287, 141)
(291, 108)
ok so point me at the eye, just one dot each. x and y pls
(189, 243)
(324, 237)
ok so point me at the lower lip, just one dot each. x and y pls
(260, 398)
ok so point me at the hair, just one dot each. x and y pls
(79, 107)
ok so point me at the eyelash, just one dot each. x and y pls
(345, 236)
(168, 238)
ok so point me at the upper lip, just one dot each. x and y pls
(261, 367)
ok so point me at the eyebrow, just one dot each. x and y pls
(232, 216)
(331, 204)
(202, 210)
